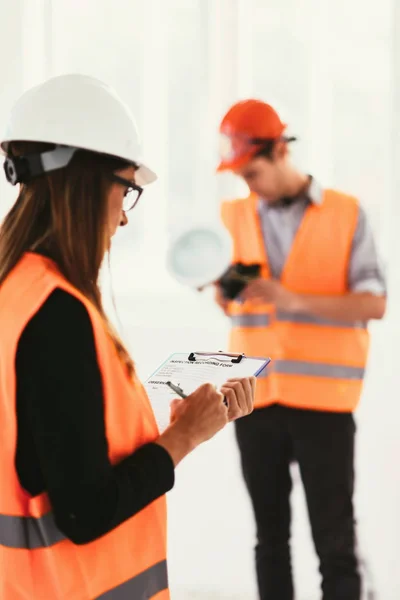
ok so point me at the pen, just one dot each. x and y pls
(176, 389)
(181, 393)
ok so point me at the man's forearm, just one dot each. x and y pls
(350, 307)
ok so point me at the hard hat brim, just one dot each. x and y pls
(144, 175)
(234, 165)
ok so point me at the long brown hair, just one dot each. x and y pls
(64, 214)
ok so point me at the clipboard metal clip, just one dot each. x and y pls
(236, 358)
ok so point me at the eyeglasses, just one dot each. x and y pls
(132, 192)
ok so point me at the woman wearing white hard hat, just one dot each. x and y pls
(83, 468)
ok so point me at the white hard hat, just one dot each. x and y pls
(199, 255)
(79, 112)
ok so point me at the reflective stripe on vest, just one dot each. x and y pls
(264, 319)
(260, 320)
(30, 533)
(142, 587)
(301, 367)
(311, 320)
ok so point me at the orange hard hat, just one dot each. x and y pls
(244, 130)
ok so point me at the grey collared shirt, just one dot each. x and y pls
(280, 224)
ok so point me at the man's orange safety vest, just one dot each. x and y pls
(316, 363)
(37, 562)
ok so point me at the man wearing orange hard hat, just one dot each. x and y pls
(310, 282)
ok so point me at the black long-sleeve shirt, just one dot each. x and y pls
(62, 445)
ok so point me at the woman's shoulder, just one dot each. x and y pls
(61, 319)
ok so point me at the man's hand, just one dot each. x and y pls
(220, 299)
(349, 307)
(272, 291)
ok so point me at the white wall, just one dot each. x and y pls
(334, 69)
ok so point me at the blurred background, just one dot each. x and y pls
(333, 71)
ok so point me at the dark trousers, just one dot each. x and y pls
(322, 443)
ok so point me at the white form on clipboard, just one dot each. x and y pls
(190, 371)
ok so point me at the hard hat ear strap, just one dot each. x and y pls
(16, 169)
(21, 169)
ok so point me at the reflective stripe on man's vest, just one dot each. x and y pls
(316, 363)
(37, 561)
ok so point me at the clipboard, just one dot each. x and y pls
(190, 371)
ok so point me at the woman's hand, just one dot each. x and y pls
(201, 415)
(239, 394)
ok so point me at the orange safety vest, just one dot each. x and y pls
(316, 363)
(37, 562)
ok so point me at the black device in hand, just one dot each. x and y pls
(235, 279)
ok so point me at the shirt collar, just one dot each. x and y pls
(315, 192)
